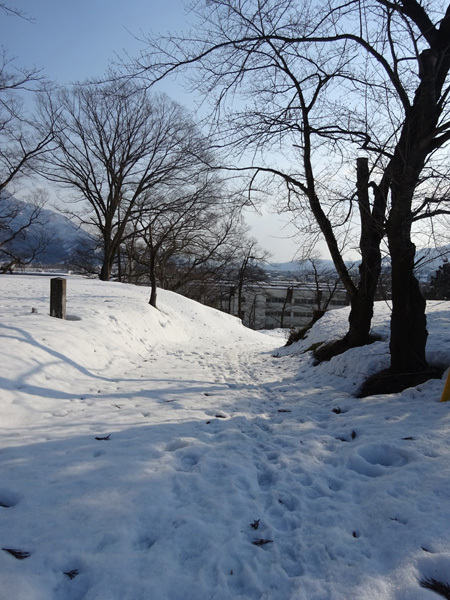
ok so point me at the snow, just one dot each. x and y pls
(144, 452)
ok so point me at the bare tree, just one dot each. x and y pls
(115, 145)
(325, 81)
(179, 232)
(23, 237)
(325, 280)
(326, 284)
(248, 271)
(11, 11)
(244, 273)
(21, 145)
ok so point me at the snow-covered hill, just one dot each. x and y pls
(174, 454)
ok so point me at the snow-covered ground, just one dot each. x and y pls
(173, 454)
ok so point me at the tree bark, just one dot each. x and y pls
(408, 321)
(362, 301)
(153, 282)
(105, 272)
(106, 269)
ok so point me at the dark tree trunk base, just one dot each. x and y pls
(299, 334)
(326, 352)
(390, 382)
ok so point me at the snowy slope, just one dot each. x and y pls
(231, 468)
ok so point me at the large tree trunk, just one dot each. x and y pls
(372, 230)
(108, 257)
(360, 320)
(105, 272)
(362, 301)
(153, 282)
(362, 297)
(408, 321)
(361, 312)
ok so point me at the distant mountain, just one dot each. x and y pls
(428, 260)
(299, 270)
(63, 237)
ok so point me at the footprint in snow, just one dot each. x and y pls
(7, 499)
(375, 460)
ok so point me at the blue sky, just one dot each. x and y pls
(71, 40)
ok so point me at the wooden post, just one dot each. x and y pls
(58, 297)
(446, 393)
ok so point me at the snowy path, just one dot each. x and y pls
(143, 459)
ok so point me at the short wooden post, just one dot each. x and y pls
(58, 297)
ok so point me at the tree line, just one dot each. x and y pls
(354, 99)
(137, 172)
(340, 109)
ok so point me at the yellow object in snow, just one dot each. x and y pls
(446, 393)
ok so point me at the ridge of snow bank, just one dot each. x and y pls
(107, 319)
